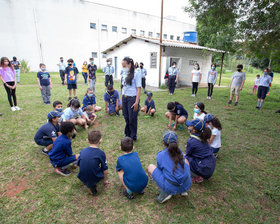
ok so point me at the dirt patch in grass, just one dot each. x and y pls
(16, 187)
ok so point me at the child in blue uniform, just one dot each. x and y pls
(198, 151)
(130, 170)
(57, 106)
(47, 133)
(149, 109)
(112, 100)
(89, 99)
(176, 112)
(61, 155)
(172, 173)
(93, 163)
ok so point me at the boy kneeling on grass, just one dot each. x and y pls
(149, 109)
(93, 163)
(61, 156)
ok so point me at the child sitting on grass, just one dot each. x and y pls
(74, 114)
(47, 133)
(89, 99)
(199, 111)
(172, 173)
(57, 106)
(149, 109)
(130, 171)
(90, 115)
(112, 100)
(176, 112)
(44, 83)
(198, 152)
(61, 155)
(93, 163)
(215, 127)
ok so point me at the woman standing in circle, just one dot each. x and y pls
(211, 80)
(196, 78)
(8, 77)
(131, 97)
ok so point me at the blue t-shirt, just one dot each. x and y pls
(131, 90)
(92, 162)
(71, 74)
(150, 104)
(88, 101)
(47, 130)
(134, 176)
(112, 97)
(44, 78)
(180, 110)
(68, 114)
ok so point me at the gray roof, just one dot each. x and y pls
(167, 43)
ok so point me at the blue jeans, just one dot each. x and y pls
(172, 83)
(44, 142)
(130, 116)
(64, 162)
(85, 76)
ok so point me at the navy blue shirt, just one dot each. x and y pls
(180, 110)
(134, 176)
(88, 101)
(150, 104)
(47, 130)
(44, 78)
(111, 97)
(92, 162)
(71, 75)
(92, 71)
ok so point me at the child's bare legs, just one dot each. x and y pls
(153, 111)
(181, 120)
(120, 174)
(80, 121)
(97, 108)
(171, 116)
(151, 169)
(143, 109)
(74, 92)
(231, 96)
(70, 93)
(236, 98)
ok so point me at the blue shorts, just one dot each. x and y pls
(44, 142)
(262, 91)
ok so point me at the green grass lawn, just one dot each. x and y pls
(245, 187)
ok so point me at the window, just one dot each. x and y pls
(142, 33)
(94, 54)
(104, 27)
(114, 28)
(104, 55)
(164, 36)
(158, 35)
(178, 38)
(124, 30)
(133, 31)
(153, 60)
(92, 25)
(171, 37)
(150, 34)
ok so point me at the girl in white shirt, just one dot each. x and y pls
(211, 80)
(196, 78)
(199, 111)
(256, 84)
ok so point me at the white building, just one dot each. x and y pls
(146, 50)
(43, 30)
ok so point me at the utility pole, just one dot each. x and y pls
(160, 45)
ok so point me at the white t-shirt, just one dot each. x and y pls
(257, 81)
(217, 140)
(200, 117)
(196, 75)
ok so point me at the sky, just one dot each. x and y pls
(172, 8)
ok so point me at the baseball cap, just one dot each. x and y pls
(169, 137)
(150, 94)
(54, 114)
(208, 117)
(197, 124)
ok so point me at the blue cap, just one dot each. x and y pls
(149, 94)
(54, 114)
(169, 137)
(197, 124)
(208, 117)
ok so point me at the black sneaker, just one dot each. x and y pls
(236, 103)
(93, 190)
(62, 172)
(163, 197)
(230, 101)
(257, 107)
(48, 102)
(277, 111)
(69, 98)
(128, 195)
(152, 115)
(117, 114)
(45, 152)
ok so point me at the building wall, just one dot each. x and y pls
(42, 31)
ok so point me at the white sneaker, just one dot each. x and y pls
(210, 98)
(192, 94)
(17, 108)
(13, 109)
(184, 193)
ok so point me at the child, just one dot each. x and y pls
(72, 78)
(256, 84)
(176, 112)
(112, 100)
(215, 126)
(108, 72)
(199, 111)
(44, 83)
(198, 152)
(149, 109)
(93, 163)
(263, 89)
(57, 106)
(172, 173)
(74, 114)
(212, 78)
(61, 155)
(92, 74)
(89, 99)
(236, 84)
(47, 133)
(85, 71)
(195, 79)
(130, 171)
(90, 115)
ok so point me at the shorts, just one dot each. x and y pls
(262, 91)
(148, 108)
(44, 142)
(71, 86)
(235, 90)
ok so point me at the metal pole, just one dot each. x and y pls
(223, 55)
(160, 45)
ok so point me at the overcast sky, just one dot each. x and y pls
(172, 8)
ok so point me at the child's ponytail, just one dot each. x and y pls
(216, 123)
(176, 155)
(205, 134)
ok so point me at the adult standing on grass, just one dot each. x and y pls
(143, 74)
(211, 80)
(85, 71)
(17, 66)
(108, 72)
(236, 84)
(8, 77)
(62, 67)
(131, 97)
(265, 81)
(92, 68)
(195, 79)
(173, 73)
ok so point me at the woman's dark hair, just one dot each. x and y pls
(201, 107)
(136, 65)
(175, 154)
(4, 59)
(197, 65)
(216, 123)
(171, 105)
(130, 74)
(74, 103)
(214, 65)
(66, 127)
(204, 135)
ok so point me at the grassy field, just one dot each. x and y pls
(245, 187)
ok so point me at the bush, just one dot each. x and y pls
(99, 70)
(25, 68)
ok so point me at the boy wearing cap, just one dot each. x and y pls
(198, 151)
(149, 109)
(47, 133)
(172, 173)
(112, 100)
